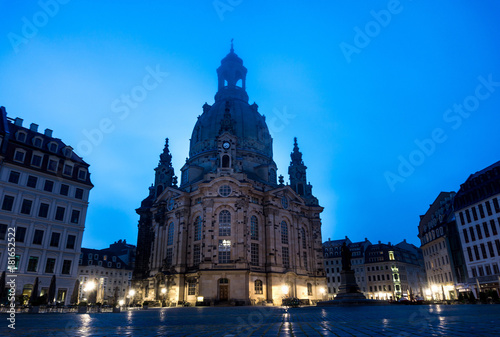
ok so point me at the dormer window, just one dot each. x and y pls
(67, 151)
(19, 155)
(53, 147)
(82, 174)
(37, 142)
(36, 160)
(68, 170)
(96, 256)
(21, 136)
(114, 258)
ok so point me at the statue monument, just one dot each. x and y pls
(349, 293)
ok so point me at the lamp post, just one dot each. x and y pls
(130, 297)
(88, 289)
(163, 293)
(322, 291)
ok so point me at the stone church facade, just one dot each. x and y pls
(230, 231)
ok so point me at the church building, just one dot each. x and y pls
(230, 231)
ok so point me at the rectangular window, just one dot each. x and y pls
(50, 265)
(48, 186)
(8, 203)
(33, 263)
(483, 251)
(66, 268)
(192, 288)
(19, 156)
(486, 230)
(467, 214)
(26, 206)
(3, 231)
(476, 252)
(490, 248)
(54, 239)
(497, 243)
(481, 210)
(254, 254)
(488, 269)
(32, 181)
(43, 211)
(169, 257)
(469, 251)
(38, 237)
(196, 254)
(472, 235)
(495, 204)
(82, 174)
(488, 207)
(36, 160)
(79, 193)
(481, 270)
(68, 170)
(60, 213)
(75, 216)
(495, 268)
(70, 242)
(474, 272)
(52, 165)
(479, 233)
(494, 227)
(20, 234)
(224, 251)
(286, 257)
(466, 236)
(474, 213)
(64, 190)
(14, 177)
(304, 257)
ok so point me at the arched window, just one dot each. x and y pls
(198, 223)
(225, 161)
(309, 289)
(258, 287)
(284, 233)
(254, 228)
(224, 223)
(170, 234)
(303, 237)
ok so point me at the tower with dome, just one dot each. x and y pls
(230, 231)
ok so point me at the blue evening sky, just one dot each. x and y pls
(392, 102)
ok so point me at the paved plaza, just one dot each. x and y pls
(423, 320)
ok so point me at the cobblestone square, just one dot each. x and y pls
(423, 320)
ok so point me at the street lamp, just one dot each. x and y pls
(322, 291)
(130, 297)
(121, 303)
(163, 292)
(285, 289)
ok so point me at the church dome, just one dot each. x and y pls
(232, 113)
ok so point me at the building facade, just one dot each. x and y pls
(393, 272)
(440, 244)
(104, 277)
(44, 191)
(477, 211)
(231, 231)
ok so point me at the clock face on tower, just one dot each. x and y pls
(226, 145)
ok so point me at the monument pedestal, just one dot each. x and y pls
(348, 287)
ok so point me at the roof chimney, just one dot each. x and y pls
(48, 132)
(34, 127)
(390, 243)
(379, 242)
(18, 121)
